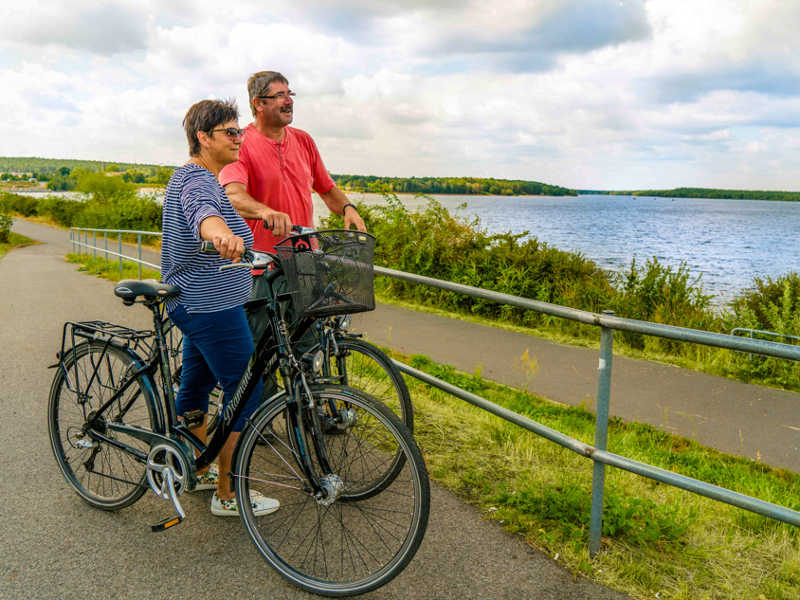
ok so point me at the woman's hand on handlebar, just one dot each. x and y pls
(230, 247)
(279, 223)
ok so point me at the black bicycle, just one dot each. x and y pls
(352, 485)
(348, 359)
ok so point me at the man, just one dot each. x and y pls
(278, 167)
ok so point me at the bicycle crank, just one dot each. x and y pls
(167, 474)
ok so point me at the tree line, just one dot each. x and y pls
(449, 185)
(722, 194)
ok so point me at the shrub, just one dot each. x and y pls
(15, 203)
(5, 227)
(62, 210)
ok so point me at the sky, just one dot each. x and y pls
(587, 94)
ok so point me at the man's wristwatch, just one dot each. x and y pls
(353, 206)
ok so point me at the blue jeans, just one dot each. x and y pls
(217, 347)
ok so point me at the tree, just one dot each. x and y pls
(104, 189)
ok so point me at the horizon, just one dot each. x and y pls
(580, 191)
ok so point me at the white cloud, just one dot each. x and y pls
(104, 28)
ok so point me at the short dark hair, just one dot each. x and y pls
(258, 85)
(205, 116)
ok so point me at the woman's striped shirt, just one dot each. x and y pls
(193, 194)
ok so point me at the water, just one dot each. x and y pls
(724, 242)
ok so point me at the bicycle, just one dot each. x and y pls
(349, 520)
(348, 360)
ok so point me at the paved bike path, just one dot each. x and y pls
(56, 546)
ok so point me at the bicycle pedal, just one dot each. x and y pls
(193, 418)
(166, 524)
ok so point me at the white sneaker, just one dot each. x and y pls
(207, 480)
(228, 508)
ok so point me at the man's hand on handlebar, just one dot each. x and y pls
(230, 247)
(279, 223)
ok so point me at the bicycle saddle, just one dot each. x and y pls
(150, 289)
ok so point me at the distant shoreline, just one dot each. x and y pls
(372, 184)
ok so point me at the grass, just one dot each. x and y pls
(658, 541)
(15, 240)
(110, 269)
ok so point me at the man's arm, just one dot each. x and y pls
(338, 203)
(250, 208)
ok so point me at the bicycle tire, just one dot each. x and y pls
(366, 367)
(104, 476)
(359, 542)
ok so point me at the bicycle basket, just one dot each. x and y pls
(329, 272)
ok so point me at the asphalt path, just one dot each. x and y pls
(56, 546)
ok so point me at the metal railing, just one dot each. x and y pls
(607, 322)
(598, 453)
(79, 236)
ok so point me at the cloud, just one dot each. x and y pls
(104, 28)
(722, 45)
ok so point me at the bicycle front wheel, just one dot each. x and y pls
(366, 367)
(105, 475)
(350, 542)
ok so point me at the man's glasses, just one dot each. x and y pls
(231, 132)
(280, 96)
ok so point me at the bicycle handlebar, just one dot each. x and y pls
(252, 259)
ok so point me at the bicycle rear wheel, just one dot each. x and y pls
(356, 542)
(104, 475)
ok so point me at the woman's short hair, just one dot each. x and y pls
(205, 116)
(258, 85)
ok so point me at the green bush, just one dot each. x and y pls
(5, 227)
(62, 210)
(434, 243)
(15, 203)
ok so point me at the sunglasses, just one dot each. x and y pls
(231, 132)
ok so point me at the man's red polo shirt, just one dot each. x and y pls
(280, 175)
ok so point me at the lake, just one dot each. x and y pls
(724, 242)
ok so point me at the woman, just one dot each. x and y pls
(217, 343)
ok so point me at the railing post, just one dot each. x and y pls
(94, 244)
(139, 245)
(119, 239)
(105, 243)
(601, 434)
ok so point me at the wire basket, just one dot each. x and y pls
(329, 272)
